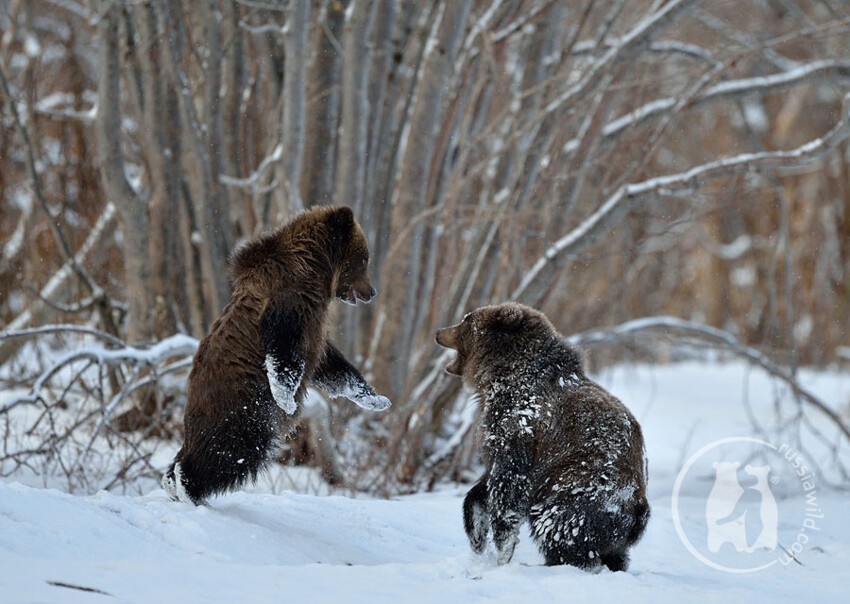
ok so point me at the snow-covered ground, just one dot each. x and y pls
(257, 546)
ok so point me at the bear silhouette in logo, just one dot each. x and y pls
(726, 510)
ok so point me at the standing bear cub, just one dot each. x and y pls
(559, 451)
(250, 373)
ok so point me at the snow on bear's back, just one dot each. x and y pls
(592, 431)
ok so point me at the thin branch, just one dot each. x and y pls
(629, 44)
(64, 328)
(716, 336)
(261, 30)
(72, 7)
(805, 74)
(628, 196)
(262, 5)
(55, 283)
(257, 175)
(519, 23)
(55, 227)
(176, 345)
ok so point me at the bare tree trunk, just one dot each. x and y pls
(292, 127)
(411, 32)
(131, 207)
(201, 311)
(234, 140)
(353, 137)
(322, 90)
(205, 165)
(164, 159)
(217, 213)
(401, 297)
(380, 109)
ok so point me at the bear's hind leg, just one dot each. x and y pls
(174, 483)
(577, 530)
(560, 554)
(640, 518)
(213, 472)
(225, 456)
(475, 518)
(616, 561)
(565, 534)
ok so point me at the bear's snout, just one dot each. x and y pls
(443, 337)
(358, 294)
(447, 337)
(365, 296)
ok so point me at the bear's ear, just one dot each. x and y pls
(511, 318)
(341, 224)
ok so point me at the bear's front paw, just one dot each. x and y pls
(478, 533)
(505, 550)
(373, 402)
(284, 383)
(505, 537)
(287, 403)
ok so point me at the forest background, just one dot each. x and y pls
(664, 179)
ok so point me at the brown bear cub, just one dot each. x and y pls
(250, 373)
(559, 451)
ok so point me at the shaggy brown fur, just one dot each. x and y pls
(560, 451)
(249, 374)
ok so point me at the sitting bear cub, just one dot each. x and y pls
(560, 451)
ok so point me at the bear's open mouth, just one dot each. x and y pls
(454, 368)
(352, 297)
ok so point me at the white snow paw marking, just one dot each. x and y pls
(504, 556)
(480, 529)
(169, 486)
(174, 486)
(284, 384)
(287, 403)
(372, 402)
(506, 551)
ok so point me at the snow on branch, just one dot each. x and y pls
(72, 7)
(66, 327)
(516, 25)
(625, 198)
(630, 43)
(465, 422)
(682, 327)
(252, 181)
(57, 106)
(661, 47)
(176, 345)
(59, 279)
(94, 417)
(32, 167)
(818, 70)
